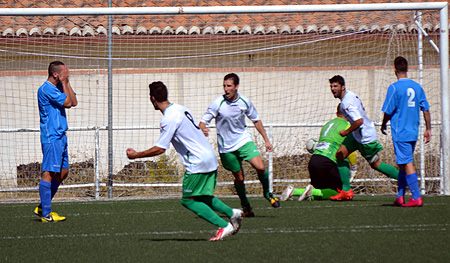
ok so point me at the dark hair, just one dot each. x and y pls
(232, 76)
(54, 67)
(338, 109)
(339, 79)
(158, 91)
(401, 64)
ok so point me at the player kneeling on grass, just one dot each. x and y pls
(54, 96)
(197, 155)
(326, 181)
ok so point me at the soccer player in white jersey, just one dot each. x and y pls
(361, 135)
(234, 141)
(405, 98)
(197, 155)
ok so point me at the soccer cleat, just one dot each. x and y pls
(287, 193)
(399, 201)
(236, 220)
(414, 202)
(307, 194)
(343, 195)
(52, 217)
(38, 211)
(248, 211)
(274, 202)
(223, 232)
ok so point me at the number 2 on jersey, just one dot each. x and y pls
(411, 95)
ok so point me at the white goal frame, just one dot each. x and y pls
(442, 7)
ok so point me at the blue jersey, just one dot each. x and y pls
(404, 101)
(52, 114)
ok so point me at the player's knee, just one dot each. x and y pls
(375, 161)
(340, 155)
(238, 177)
(186, 201)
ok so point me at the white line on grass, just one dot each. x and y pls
(291, 230)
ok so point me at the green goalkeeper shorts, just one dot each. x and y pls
(368, 150)
(232, 161)
(199, 184)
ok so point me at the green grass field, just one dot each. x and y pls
(367, 229)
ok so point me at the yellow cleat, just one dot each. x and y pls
(52, 217)
(38, 211)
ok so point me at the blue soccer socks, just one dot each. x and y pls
(45, 194)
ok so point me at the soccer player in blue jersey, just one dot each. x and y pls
(235, 143)
(405, 98)
(197, 155)
(54, 96)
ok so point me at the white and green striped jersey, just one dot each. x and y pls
(230, 116)
(353, 109)
(179, 128)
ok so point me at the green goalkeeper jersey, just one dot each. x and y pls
(330, 140)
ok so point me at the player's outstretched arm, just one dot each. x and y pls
(260, 128)
(427, 133)
(154, 151)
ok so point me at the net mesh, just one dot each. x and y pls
(284, 73)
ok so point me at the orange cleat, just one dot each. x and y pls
(343, 195)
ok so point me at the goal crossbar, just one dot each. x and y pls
(219, 9)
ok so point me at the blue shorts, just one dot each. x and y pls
(55, 156)
(404, 152)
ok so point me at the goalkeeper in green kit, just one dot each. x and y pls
(323, 170)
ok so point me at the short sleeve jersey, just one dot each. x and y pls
(178, 127)
(330, 140)
(353, 109)
(404, 100)
(230, 116)
(52, 114)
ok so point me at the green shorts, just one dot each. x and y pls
(199, 184)
(232, 161)
(368, 151)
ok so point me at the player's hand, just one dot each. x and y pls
(269, 147)
(427, 136)
(131, 153)
(64, 75)
(343, 133)
(383, 129)
(205, 131)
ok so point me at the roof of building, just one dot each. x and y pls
(300, 23)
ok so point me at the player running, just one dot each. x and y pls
(234, 141)
(197, 155)
(361, 135)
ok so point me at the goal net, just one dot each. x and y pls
(284, 61)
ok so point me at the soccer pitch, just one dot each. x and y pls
(367, 229)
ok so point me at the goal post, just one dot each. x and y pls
(283, 70)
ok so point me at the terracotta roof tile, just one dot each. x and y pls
(270, 22)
